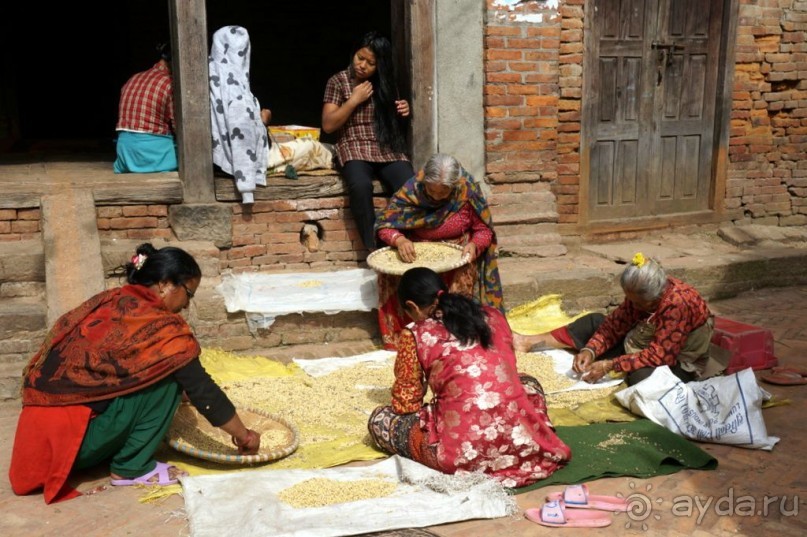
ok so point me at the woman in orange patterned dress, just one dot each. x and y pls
(106, 382)
(484, 417)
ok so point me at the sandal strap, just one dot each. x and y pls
(552, 512)
(576, 495)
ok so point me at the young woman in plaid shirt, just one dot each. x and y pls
(146, 120)
(361, 105)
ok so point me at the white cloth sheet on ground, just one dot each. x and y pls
(562, 363)
(263, 297)
(246, 503)
(325, 366)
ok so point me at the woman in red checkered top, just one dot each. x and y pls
(362, 106)
(146, 123)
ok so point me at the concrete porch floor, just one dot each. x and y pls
(753, 475)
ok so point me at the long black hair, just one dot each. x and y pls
(388, 125)
(461, 316)
(150, 266)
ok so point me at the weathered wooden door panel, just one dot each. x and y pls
(616, 109)
(688, 40)
(649, 106)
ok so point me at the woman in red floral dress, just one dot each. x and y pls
(483, 417)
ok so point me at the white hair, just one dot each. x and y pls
(648, 281)
(442, 169)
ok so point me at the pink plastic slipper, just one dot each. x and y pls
(784, 378)
(795, 370)
(555, 515)
(577, 496)
(161, 471)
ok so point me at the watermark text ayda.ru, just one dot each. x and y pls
(731, 505)
(644, 509)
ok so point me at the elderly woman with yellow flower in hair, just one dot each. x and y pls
(662, 321)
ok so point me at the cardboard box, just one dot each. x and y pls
(750, 346)
(295, 131)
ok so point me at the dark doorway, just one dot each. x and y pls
(63, 65)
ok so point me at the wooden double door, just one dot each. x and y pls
(649, 106)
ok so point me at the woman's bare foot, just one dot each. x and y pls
(521, 342)
(537, 342)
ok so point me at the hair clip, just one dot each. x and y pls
(138, 260)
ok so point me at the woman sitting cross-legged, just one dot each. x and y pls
(662, 321)
(483, 417)
(443, 203)
(106, 382)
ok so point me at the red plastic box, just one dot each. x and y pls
(750, 346)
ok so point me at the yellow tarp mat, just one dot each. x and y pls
(340, 434)
(539, 316)
(253, 381)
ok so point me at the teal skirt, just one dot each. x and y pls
(140, 152)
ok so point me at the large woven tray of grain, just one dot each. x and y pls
(190, 433)
(438, 256)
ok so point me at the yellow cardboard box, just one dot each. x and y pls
(296, 131)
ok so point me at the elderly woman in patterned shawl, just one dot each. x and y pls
(240, 139)
(106, 382)
(441, 203)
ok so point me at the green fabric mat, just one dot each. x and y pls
(639, 449)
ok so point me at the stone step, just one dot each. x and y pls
(22, 330)
(22, 261)
(10, 380)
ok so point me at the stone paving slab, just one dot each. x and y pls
(753, 475)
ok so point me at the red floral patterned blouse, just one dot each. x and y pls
(480, 418)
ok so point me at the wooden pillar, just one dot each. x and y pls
(420, 37)
(192, 100)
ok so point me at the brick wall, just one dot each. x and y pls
(522, 101)
(142, 222)
(767, 176)
(767, 169)
(19, 224)
(269, 235)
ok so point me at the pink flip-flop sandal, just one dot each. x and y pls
(784, 378)
(795, 370)
(577, 496)
(161, 471)
(554, 514)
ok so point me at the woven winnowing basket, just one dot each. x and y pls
(192, 434)
(438, 256)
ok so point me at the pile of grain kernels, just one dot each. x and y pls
(322, 408)
(539, 365)
(338, 404)
(319, 492)
(205, 437)
(434, 255)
